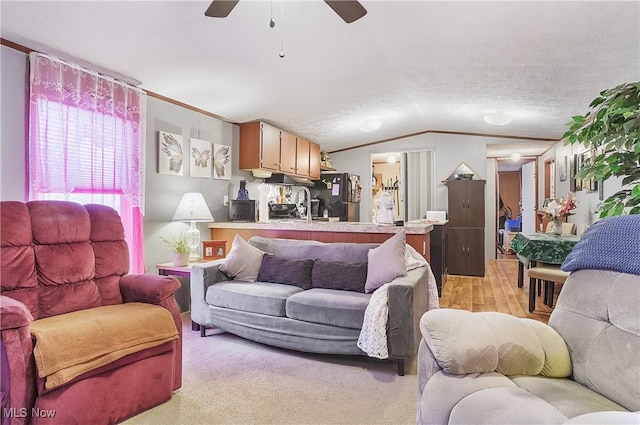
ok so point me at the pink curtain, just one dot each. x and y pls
(87, 142)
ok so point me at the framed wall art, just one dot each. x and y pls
(562, 169)
(221, 161)
(213, 250)
(170, 154)
(573, 161)
(589, 185)
(200, 158)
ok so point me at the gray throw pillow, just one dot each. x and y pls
(386, 262)
(339, 275)
(283, 270)
(243, 261)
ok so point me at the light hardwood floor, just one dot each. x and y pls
(497, 291)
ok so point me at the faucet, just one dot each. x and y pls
(308, 195)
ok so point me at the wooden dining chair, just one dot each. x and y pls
(547, 274)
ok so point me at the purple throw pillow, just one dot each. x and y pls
(339, 275)
(283, 270)
(386, 262)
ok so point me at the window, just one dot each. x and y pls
(86, 143)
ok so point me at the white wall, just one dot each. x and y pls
(13, 129)
(358, 161)
(585, 213)
(450, 151)
(163, 192)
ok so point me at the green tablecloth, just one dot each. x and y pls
(543, 247)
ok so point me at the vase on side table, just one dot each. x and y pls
(556, 226)
(180, 259)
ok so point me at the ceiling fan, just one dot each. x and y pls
(348, 10)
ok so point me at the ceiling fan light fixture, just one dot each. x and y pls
(515, 157)
(498, 118)
(369, 125)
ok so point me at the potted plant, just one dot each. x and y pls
(180, 249)
(611, 130)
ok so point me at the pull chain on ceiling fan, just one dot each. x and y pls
(348, 10)
(282, 32)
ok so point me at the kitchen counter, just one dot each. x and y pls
(325, 226)
(418, 233)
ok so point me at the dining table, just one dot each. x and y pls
(541, 247)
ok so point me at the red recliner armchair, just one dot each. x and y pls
(64, 268)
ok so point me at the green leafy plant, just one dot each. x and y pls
(178, 244)
(611, 130)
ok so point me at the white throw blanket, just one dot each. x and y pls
(373, 335)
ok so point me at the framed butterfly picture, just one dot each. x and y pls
(170, 154)
(200, 158)
(221, 162)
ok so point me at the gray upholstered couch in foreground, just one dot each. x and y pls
(316, 319)
(584, 367)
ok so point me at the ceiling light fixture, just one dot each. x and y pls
(369, 125)
(391, 159)
(497, 118)
(515, 157)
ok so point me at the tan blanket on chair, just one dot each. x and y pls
(68, 345)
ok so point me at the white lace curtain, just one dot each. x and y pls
(87, 142)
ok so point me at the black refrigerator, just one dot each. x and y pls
(339, 194)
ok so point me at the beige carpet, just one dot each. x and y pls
(229, 380)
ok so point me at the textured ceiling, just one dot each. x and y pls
(415, 66)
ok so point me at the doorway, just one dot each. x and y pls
(516, 186)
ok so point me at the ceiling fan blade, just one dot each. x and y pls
(348, 10)
(220, 8)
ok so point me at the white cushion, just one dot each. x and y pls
(386, 262)
(243, 262)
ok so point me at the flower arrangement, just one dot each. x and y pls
(559, 208)
(178, 244)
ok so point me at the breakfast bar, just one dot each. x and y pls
(418, 234)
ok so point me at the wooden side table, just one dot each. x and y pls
(168, 269)
(183, 294)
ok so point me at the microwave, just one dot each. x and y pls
(242, 210)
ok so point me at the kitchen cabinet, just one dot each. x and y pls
(465, 252)
(314, 161)
(302, 157)
(287, 152)
(259, 147)
(265, 147)
(466, 203)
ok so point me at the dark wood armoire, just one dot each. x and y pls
(466, 227)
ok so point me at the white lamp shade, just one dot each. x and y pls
(193, 207)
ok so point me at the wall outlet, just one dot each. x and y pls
(225, 201)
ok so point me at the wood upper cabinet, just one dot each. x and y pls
(287, 152)
(263, 146)
(302, 157)
(314, 161)
(259, 146)
(270, 148)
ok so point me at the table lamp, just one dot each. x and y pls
(193, 208)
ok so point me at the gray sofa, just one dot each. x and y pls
(583, 367)
(316, 320)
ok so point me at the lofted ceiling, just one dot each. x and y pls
(415, 66)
